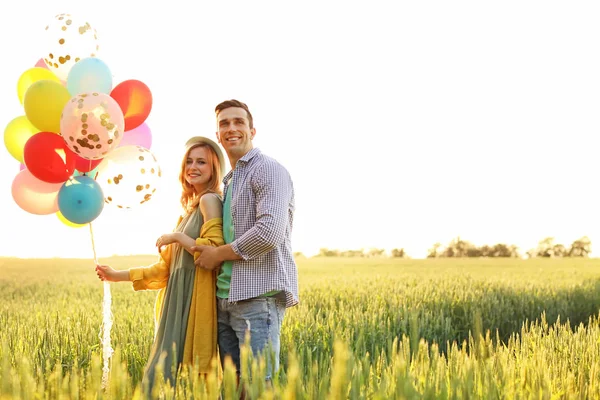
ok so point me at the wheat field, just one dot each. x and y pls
(366, 328)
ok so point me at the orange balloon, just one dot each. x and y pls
(135, 100)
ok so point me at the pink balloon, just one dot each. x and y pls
(33, 195)
(40, 63)
(140, 136)
(22, 167)
(92, 125)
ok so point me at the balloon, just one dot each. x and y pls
(80, 200)
(22, 167)
(69, 40)
(89, 75)
(140, 136)
(16, 134)
(35, 196)
(48, 158)
(44, 102)
(85, 165)
(67, 222)
(92, 125)
(31, 76)
(92, 174)
(128, 176)
(135, 100)
(42, 64)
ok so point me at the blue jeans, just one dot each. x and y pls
(262, 316)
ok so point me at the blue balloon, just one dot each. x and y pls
(89, 75)
(80, 199)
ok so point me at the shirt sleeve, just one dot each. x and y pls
(154, 276)
(273, 189)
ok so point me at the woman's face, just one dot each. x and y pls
(197, 168)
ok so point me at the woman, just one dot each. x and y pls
(185, 310)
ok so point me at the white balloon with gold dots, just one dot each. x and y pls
(69, 40)
(128, 176)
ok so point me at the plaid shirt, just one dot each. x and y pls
(262, 208)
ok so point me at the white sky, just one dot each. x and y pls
(402, 123)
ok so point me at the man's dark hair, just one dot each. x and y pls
(234, 103)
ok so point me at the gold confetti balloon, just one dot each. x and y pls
(128, 176)
(92, 125)
(69, 40)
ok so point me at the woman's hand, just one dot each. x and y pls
(107, 273)
(165, 240)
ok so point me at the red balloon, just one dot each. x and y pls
(135, 100)
(84, 165)
(48, 158)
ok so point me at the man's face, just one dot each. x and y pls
(234, 131)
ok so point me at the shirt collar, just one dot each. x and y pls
(245, 159)
(249, 155)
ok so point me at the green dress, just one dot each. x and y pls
(170, 333)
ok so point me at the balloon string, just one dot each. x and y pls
(93, 244)
(106, 327)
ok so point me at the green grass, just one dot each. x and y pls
(365, 328)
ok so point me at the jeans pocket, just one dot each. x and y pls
(254, 310)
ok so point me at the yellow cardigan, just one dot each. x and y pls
(201, 335)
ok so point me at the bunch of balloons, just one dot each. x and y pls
(81, 142)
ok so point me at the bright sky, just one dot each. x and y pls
(402, 123)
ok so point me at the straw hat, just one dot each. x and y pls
(201, 139)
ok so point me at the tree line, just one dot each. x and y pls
(458, 247)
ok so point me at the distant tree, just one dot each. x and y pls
(503, 250)
(353, 253)
(547, 248)
(376, 252)
(473, 251)
(458, 248)
(298, 254)
(325, 252)
(486, 251)
(531, 253)
(559, 250)
(515, 251)
(435, 250)
(398, 253)
(462, 248)
(581, 247)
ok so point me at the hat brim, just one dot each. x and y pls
(201, 139)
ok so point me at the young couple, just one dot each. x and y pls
(228, 267)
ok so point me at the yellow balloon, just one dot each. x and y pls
(44, 103)
(68, 223)
(16, 134)
(31, 76)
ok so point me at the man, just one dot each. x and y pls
(258, 278)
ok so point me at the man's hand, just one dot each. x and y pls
(208, 258)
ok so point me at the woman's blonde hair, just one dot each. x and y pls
(189, 197)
